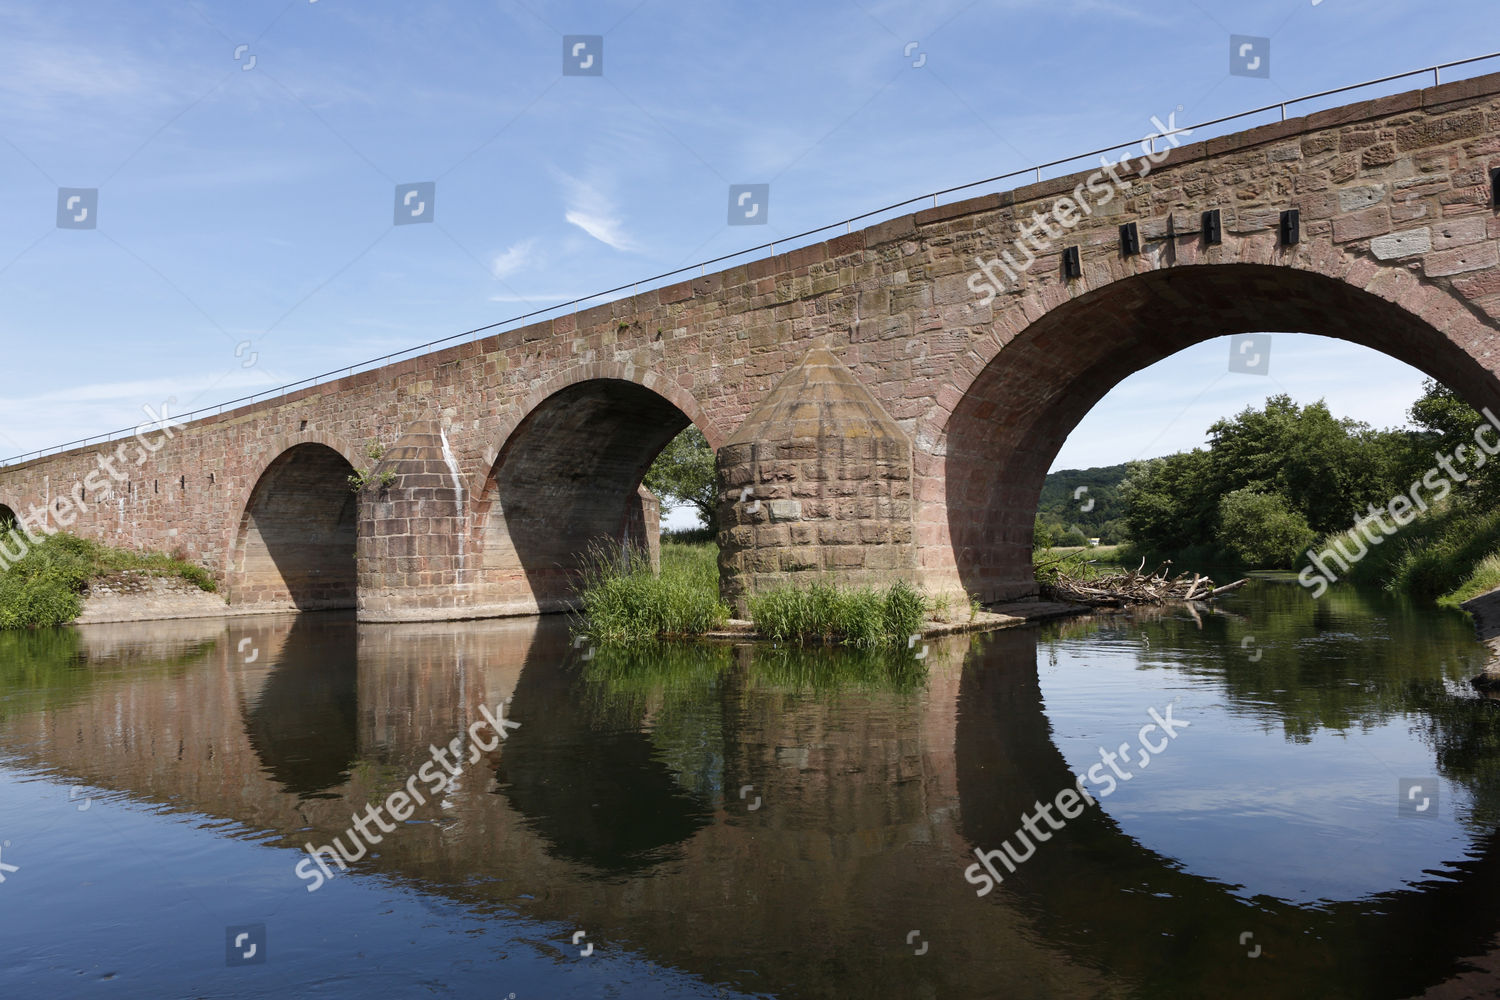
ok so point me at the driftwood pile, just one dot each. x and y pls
(1133, 587)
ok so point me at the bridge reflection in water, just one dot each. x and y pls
(720, 809)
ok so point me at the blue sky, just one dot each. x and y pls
(244, 227)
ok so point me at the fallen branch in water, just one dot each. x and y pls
(1130, 587)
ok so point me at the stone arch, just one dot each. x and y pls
(1030, 382)
(544, 389)
(8, 518)
(296, 540)
(568, 476)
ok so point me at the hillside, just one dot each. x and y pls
(1059, 508)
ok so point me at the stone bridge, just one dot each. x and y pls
(891, 415)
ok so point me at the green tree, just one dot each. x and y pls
(1114, 532)
(1170, 503)
(1319, 463)
(1067, 492)
(1325, 470)
(1446, 422)
(1262, 530)
(683, 475)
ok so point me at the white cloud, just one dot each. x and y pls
(605, 229)
(516, 257)
(591, 210)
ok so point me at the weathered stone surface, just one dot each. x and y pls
(820, 429)
(1442, 263)
(1406, 243)
(1459, 233)
(1355, 198)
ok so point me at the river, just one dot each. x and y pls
(716, 821)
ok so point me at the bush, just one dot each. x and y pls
(624, 601)
(1262, 530)
(44, 587)
(822, 612)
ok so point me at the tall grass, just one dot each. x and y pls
(1431, 558)
(821, 612)
(1484, 578)
(45, 586)
(624, 601)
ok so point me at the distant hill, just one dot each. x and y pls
(1104, 519)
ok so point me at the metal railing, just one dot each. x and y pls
(702, 266)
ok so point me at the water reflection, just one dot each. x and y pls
(590, 779)
(782, 821)
(304, 723)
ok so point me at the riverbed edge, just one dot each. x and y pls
(1008, 615)
(1484, 610)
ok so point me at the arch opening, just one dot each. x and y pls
(569, 478)
(297, 537)
(8, 518)
(1014, 418)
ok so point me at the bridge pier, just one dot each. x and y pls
(413, 544)
(816, 482)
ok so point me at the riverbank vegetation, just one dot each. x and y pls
(623, 599)
(46, 585)
(851, 616)
(1280, 481)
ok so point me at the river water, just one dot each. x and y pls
(708, 821)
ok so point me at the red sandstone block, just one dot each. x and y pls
(1364, 110)
(1319, 206)
(1440, 129)
(890, 231)
(1462, 90)
(1274, 132)
(953, 210)
(1460, 260)
(1362, 225)
(764, 268)
(807, 256)
(1459, 232)
(847, 244)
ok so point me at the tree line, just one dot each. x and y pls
(1276, 480)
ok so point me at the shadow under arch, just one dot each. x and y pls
(1119, 906)
(297, 537)
(568, 477)
(304, 724)
(1014, 417)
